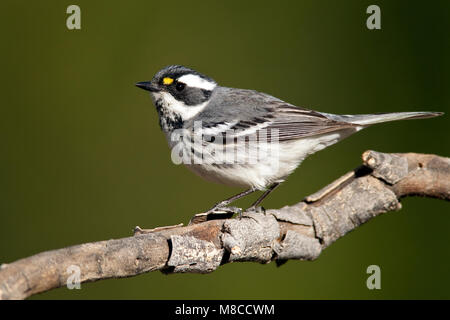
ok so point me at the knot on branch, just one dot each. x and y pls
(251, 238)
(389, 167)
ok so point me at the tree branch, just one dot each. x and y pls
(300, 231)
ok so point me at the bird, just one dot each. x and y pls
(188, 101)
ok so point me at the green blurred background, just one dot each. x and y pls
(83, 158)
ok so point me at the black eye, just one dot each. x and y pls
(180, 86)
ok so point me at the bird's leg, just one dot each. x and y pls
(220, 209)
(254, 206)
(223, 204)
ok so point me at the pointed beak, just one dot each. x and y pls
(147, 85)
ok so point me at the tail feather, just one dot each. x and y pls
(368, 119)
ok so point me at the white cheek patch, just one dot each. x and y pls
(178, 107)
(192, 80)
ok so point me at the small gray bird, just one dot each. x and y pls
(185, 98)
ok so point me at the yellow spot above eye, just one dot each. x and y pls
(167, 81)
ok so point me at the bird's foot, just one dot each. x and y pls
(217, 212)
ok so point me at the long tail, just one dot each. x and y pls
(368, 119)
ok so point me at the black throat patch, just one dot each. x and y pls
(168, 120)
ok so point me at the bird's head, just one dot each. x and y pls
(181, 90)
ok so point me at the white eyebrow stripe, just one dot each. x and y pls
(193, 80)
